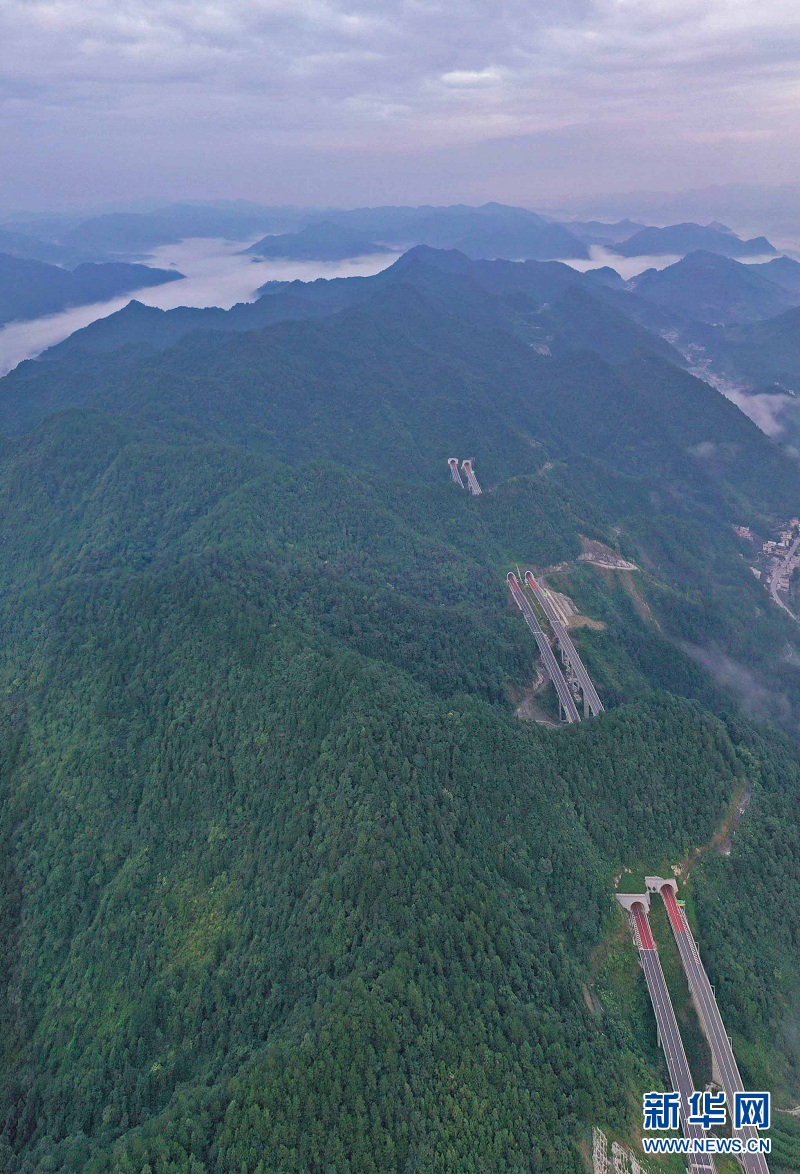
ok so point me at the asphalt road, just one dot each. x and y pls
(677, 1065)
(591, 698)
(551, 664)
(720, 1045)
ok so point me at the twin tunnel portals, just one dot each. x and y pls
(725, 1071)
(468, 471)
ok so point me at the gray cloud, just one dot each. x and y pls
(279, 98)
(757, 701)
(767, 409)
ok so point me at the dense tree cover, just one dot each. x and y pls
(285, 884)
(267, 895)
(395, 382)
(254, 863)
(759, 985)
(504, 295)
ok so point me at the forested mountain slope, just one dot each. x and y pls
(286, 884)
(395, 382)
(534, 300)
(763, 352)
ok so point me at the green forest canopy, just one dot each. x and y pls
(286, 885)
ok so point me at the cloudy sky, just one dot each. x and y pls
(330, 101)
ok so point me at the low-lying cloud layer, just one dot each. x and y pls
(279, 98)
(756, 699)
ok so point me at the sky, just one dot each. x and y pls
(401, 101)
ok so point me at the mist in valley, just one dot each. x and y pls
(216, 274)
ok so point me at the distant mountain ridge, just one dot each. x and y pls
(323, 241)
(599, 232)
(750, 206)
(30, 289)
(489, 230)
(712, 288)
(679, 239)
(30, 248)
(783, 271)
(125, 235)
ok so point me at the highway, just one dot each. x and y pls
(454, 473)
(591, 702)
(706, 1003)
(669, 1036)
(566, 700)
(472, 480)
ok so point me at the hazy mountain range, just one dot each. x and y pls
(492, 230)
(752, 207)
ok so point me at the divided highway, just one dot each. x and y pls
(566, 700)
(669, 1036)
(706, 1003)
(591, 702)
